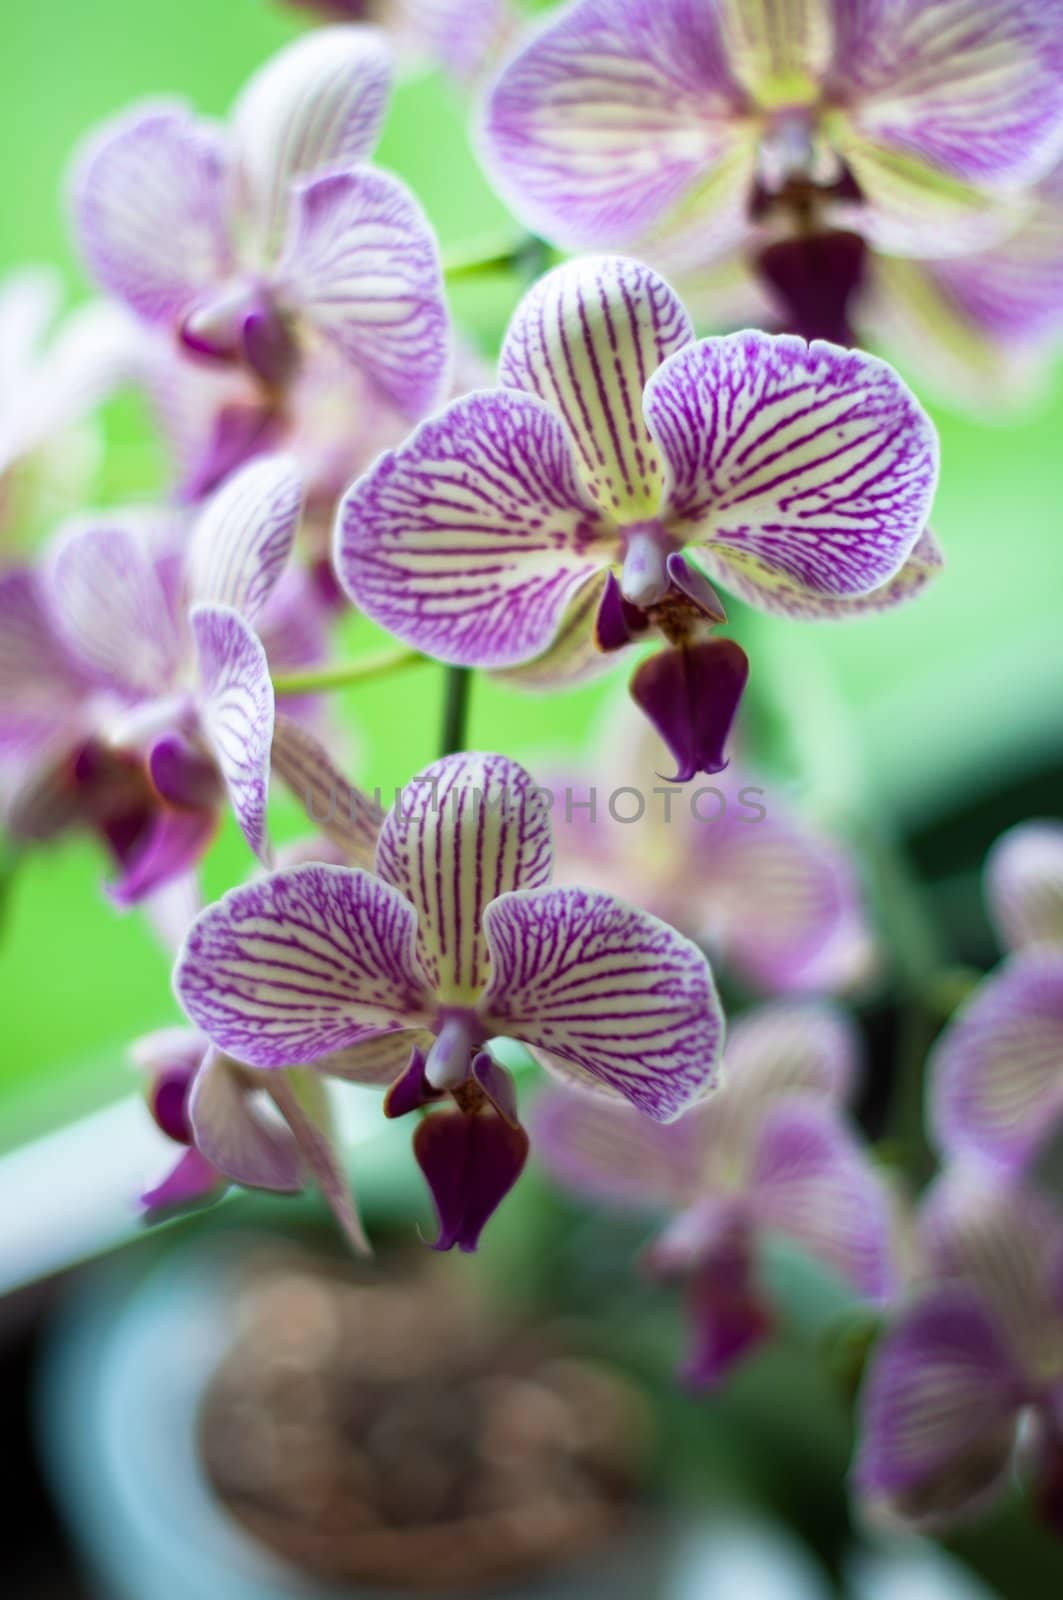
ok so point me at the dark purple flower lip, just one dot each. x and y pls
(472, 1155)
(691, 695)
(816, 278)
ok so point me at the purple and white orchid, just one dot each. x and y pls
(768, 1153)
(620, 458)
(679, 126)
(136, 682)
(254, 243)
(970, 1378)
(454, 940)
(996, 1087)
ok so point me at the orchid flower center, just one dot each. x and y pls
(644, 579)
(459, 1035)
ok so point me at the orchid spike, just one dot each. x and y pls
(971, 1374)
(252, 243)
(799, 476)
(137, 690)
(768, 1153)
(666, 125)
(457, 939)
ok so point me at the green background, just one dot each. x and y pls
(917, 712)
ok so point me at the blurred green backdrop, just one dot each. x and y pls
(925, 708)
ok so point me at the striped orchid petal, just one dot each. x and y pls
(112, 611)
(791, 1047)
(376, 1062)
(795, 466)
(1024, 885)
(361, 265)
(997, 1071)
(472, 540)
(38, 682)
(778, 901)
(812, 1182)
(575, 656)
(236, 712)
(346, 816)
(779, 49)
(244, 536)
(234, 1131)
(971, 88)
(1006, 1241)
(463, 831)
(148, 199)
(938, 1410)
(301, 964)
(315, 108)
(604, 1148)
(925, 563)
(606, 990)
(586, 340)
(598, 129)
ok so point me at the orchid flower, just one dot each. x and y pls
(996, 1085)
(454, 940)
(973, 1368)
(261, 1130)
(906, 124)
(617, 449)
(137, 690)
(768, 1154)
(251, 245)
(49, 383)
(775, 900)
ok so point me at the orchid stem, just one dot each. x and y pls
(501, 253)
(346, 674)
(457, 684)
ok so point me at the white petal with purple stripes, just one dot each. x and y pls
(798, 467)
(314, 108)
(244, 536)
(303, 963)
(346, 816)
(1024, 885)
(148, 199)
(361, 264)
(601, 1146)
(111, 609)
(236, 712)
(586, 340)
(471, 541)
(465, 830)
(606, 990)
(598, 129)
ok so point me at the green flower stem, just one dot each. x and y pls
(457, 684)
(500, 253)
(345, 674)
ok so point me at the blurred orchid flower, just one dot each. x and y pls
(973, 1368)
(49, 382)
(996, 1086)
(253, 244)
(464, 37)
(666, 124)
(801, 476)
(137, 688)
(775, 900)
(262, 1130)
(767, 1153)
(456, 939)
